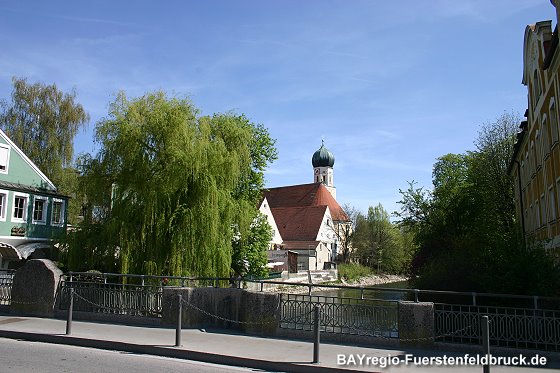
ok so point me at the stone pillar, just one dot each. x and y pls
(34, 288)
(416, 323)
(258, 312)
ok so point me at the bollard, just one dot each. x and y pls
(179, 316)
(70, 310)
(485, 342)
(317, 334)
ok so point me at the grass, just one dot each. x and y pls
(353, 271)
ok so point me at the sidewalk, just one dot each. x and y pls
(228, 348)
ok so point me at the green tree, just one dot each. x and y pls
(249, 251)
(466, 230)
(168, 186)
(378, 242)
(43, 121)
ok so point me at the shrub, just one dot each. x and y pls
(353, 271)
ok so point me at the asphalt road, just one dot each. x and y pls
(24, 356)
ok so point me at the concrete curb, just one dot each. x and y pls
(173, 352)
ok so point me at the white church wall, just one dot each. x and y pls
(265, 209)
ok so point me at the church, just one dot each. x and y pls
(305, 219)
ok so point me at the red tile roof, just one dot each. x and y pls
(299, 223)
(304, 195)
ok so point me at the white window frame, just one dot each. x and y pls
(62, 212)
(25, 207)
(4, 207)
(45, 200)
(6, 146)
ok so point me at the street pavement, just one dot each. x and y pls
(233, 349)
(36, 357)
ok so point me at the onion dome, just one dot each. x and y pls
(322, 157)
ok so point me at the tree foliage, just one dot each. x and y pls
(465, 228)
(379, 243)
(43, 121)
(249, 251)
(168, 187)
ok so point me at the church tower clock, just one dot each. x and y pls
(323, 162)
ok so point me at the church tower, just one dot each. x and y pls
(323, 162)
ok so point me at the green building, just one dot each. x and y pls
(32, 212)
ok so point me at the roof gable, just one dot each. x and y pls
(25, 171)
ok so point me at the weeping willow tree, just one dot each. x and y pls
(168, 187)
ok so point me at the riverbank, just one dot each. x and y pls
(375, 280)
(371, 280)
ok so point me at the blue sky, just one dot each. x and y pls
(389, 85)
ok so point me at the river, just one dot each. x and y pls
(370, 292)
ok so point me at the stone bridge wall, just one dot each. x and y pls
(236, 308)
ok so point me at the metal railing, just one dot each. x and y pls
(367, 317)
(515, 320)
(6, 281)
(509, 326)
(110, 298)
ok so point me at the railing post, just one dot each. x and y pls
(361, 292)
(485, 342)
(536, 302)
(416, 295)
(473, 294)
(262, 286)
(317, 334)
(70, 310)
(179, 317)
